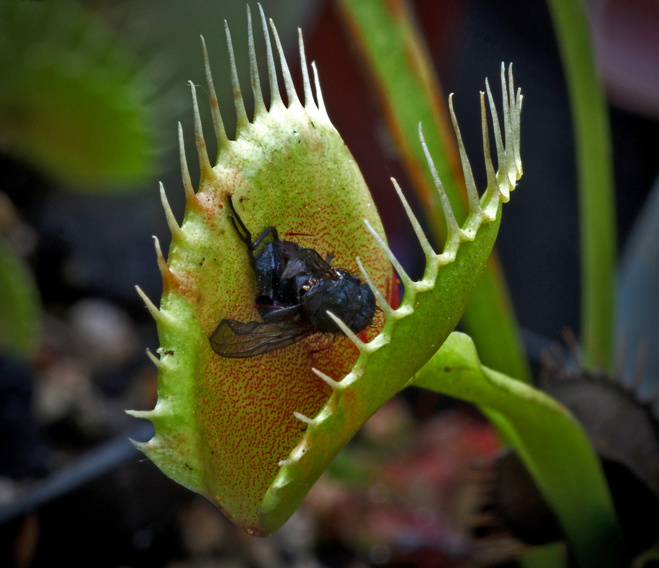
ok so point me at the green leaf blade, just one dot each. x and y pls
(597, 223)
(20, 309)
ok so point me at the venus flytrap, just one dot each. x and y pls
(253, 435)
(222, 426)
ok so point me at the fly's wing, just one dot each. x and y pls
(236, 339)
(309, 263)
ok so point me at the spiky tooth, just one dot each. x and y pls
(514, 122)
(309, 102)
(239, 103)
(518, 131)
(162, 263)
(300, 450)
(511, 91)
(165, 272)
(140, 446)
(507, 125)
(498, 139)
(190, 197)
(218, 123)
(291, 93)
(174, 229)
(381, 300)
(206, 170)
(347, 332)
(259, 105)
(428, 251)
(502, 177)
(303, 418)
(408, 283)
(470, 183)
(275, 94)
(319, 92)
(491, 192)
(153, 310)
(140, 414)
(331, 382)
(154, 359)
(452, 227)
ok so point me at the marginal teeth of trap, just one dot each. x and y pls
(153, 310)
(518, 117)
(499, 184)
(472, 192)
(498, 140)
(259, 105)
(218, 123)
(174, 229)
(428, 251)
(288, 80)
(452, 226)
(204, 163)
(157, 362)
(185, 172)
(404, 278)
(331, 382)
(309, 102)
(492, 189)
(381, 300)
(241, 113)
(242, 120)
(298, 452)
(303, 418)
(508, 101)
(275, 95)
(162, 263)
(347, 331)
(319, 93)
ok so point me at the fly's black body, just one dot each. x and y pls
(297, 287)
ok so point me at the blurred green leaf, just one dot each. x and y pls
(72, 101)
(19, 305)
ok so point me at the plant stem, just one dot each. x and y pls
(595, 176)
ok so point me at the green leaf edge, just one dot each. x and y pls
(20, 306)
(593, 152)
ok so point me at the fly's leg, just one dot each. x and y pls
(264, 234)
(246, 236)
(241, 229)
